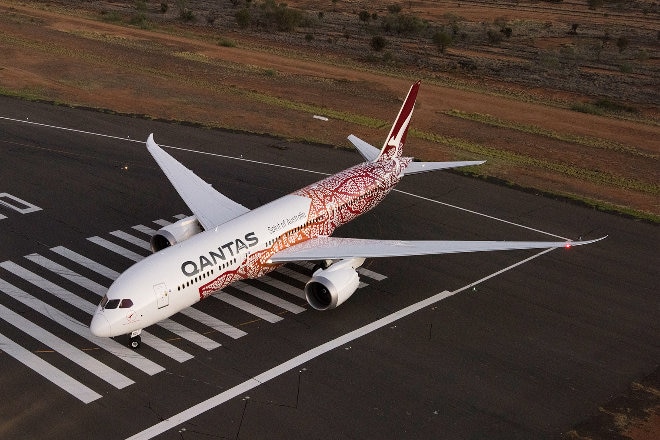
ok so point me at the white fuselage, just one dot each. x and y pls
(177, 277)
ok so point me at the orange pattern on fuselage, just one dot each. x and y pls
(336, 200)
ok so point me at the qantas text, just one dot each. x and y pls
(234, 247)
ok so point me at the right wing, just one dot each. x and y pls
(209, 206)
(333, 248)
(423, 167)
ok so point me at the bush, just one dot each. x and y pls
(243, 18)
(281, 16)
(622, 43)
(378, 43)
(394, 8)
(185, 14)
(494, 36)
(403, 24)
(442, 40)
(226, 42)
(211, 17)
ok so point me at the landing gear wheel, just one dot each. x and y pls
(134, 342)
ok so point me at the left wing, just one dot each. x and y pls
(209, 206)
(333, 248)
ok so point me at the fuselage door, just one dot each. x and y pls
(162, 295)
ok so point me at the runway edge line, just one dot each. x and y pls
(289, 365)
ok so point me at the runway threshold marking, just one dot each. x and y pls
(292, 363)
(58, 377)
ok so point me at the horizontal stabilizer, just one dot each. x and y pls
(423, 167)
(333, 248)
(368, 151)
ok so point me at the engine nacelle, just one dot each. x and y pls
(330, 287)
(175, 233)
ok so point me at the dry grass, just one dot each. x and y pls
(274, 82)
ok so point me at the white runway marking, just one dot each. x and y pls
(70, 275)
(371, 274)
(132, 239)
(75, 355)
(86, 262)
(63, 294)
(293, 274)
(247, 307)
(49, 287)
(100, 290)
(58, 377)
(295, 362)
(190, 335)
(267, 297)
(284, 287)
(212, 322)
(165, 347)
(110, 345)
(145, 230)
(162, 223)
(116, 248)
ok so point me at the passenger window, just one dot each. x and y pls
(112, 304)
(125, 304)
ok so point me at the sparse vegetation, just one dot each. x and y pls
(185, 14)
(621, 43)
(243, 18)
(403, 24)
(270, 15)
(442, 40)
(536, 57)
(226, 42)
(378, 43)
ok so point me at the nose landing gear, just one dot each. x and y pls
(135, 340)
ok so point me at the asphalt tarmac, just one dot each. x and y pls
(523, 345)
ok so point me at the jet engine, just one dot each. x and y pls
(175, 233)
(330, 287)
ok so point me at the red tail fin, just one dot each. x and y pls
(393, 146)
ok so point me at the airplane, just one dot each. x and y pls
(223, 241)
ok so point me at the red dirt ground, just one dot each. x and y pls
(63, 55)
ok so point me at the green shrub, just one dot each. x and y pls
(403, 24)
(442, 40)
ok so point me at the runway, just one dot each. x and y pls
(508, 345)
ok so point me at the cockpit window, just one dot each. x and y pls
(112, 304)
(125, 304)
(104, 301)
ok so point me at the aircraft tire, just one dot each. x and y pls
(135, 342)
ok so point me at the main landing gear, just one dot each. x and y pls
(135, 340)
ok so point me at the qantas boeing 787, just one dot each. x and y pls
(223, 241)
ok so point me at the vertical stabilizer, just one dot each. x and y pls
(393, 146)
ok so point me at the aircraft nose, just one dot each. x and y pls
(100, 326)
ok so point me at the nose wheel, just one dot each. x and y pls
(135, 340)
